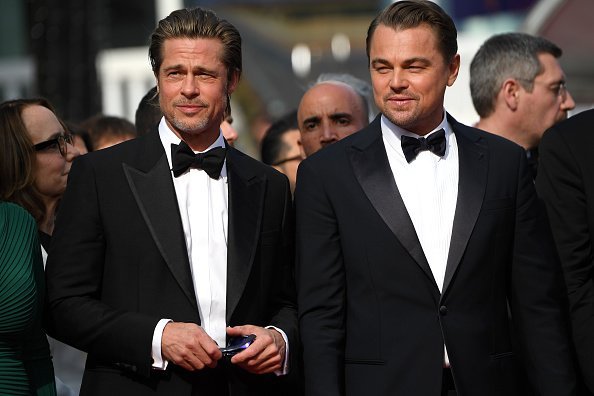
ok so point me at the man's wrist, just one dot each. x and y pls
(158, 362)
(285, 364)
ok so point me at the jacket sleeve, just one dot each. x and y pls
(75, 272)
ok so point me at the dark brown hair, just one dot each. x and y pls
(18, 162)
(410, 14)
(197, 23)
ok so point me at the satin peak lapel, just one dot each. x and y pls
(473, 162)
(155, 195)
(246, 201)
(372, 170)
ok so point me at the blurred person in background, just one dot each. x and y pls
(362, 87)
(37, 140)
(106, 131)
(518, 89)
(148, 113)
(329, 111)
(280, 147)
(80, 138)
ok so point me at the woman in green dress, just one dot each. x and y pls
(25, 363)
(34, 165)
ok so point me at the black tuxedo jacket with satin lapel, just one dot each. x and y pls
(565, 181)
(118, 264)
(372, 319)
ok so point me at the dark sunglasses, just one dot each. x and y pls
(62, 141)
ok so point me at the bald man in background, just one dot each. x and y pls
(330, 111)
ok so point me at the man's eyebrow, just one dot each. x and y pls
(172, 67)
(335, 116)
(380, 61)
(417, 59)
(311, 119)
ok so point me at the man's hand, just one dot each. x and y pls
(265, 355)
(187, 345)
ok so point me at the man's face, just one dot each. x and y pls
(193, 87)
(409, 76)
(549, 101)
(328, 112)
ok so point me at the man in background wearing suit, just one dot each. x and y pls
(565, 182)
(415, 234)
(171, 243)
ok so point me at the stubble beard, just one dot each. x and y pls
(404, 119)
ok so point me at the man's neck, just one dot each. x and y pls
(497, 126)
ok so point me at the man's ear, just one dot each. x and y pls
(454, 69)
(511, 91)
(233, 81)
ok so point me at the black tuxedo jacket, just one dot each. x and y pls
(118, 263)
(565, 182)
(372, 319)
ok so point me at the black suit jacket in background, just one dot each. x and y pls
(372, 319)
(118, 263)
(565, 182)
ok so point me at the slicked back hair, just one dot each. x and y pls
(195, 23)
(411, 14)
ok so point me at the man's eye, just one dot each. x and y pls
(343, 121)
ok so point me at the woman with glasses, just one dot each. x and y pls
(25, 362)
(36, 132)
(37, 153)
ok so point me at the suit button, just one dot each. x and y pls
(443, 310)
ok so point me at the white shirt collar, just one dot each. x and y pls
(168, 137)
(388, 125)
(393, 133)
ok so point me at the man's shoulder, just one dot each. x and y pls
(247, 166)
(489, 141)
(335, 153)
(143, 148)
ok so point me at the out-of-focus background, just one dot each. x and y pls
(89, 57)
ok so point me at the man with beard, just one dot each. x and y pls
(169, 245)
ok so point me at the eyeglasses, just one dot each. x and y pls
(295, 158)
(559, 89)
(62, 142)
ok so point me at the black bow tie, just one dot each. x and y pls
(411, 147)
(211, 161)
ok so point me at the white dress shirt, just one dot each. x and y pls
(429, 189)
(202, 203)
(203, 208)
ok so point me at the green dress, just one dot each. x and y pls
(25, 362)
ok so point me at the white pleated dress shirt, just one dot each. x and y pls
(429, 189)
(203, 208)
(203, 204)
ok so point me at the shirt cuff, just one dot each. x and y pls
(158, 362)
(285, 366)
